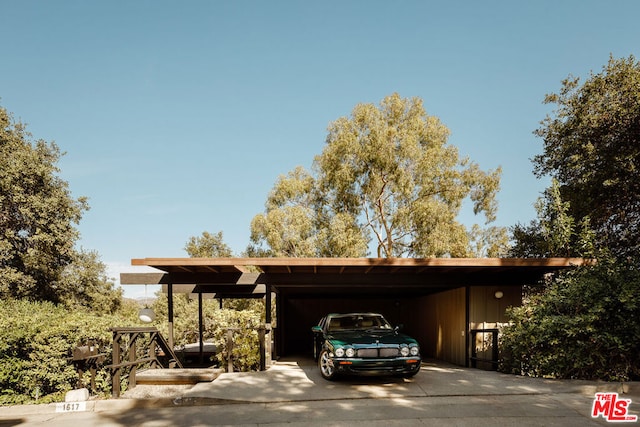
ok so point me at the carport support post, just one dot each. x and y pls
(467, 328)
(200, 331)
(170, 314)
(265, 337)
(229, 349)
(262, 343)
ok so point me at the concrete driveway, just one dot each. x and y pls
(292, 392)
(300, 380)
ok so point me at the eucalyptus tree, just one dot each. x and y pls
(288, 226)
(386, 179)
(208, 245)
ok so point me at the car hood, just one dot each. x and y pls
(368, 337)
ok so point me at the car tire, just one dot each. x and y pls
(327, 370)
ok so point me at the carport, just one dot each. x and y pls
(452, 306)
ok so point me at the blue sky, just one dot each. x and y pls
(178, 117)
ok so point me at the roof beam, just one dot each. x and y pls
(143, 278)
(359, 262)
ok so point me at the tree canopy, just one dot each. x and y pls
(592, 148)
(38, 218)
(555, 233)
(208, 245)
(386, 176)
(585, 323)
(37, 215)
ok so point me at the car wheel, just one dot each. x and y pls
(325, 364)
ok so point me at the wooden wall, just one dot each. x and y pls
(486, 311)
(443, 318)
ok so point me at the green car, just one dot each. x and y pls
(363, 344)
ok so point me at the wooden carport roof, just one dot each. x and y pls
(335, 277)
(229, 277)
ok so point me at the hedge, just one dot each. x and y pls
(36, 343)
(585, 325)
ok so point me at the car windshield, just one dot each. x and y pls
(358, 321)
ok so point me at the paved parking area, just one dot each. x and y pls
(295, 380)
(292, 392)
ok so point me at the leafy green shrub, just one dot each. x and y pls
(36, 344)
(585, 325)
(246, 350)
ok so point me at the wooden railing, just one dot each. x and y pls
(126, 354)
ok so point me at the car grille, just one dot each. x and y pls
(378, 352)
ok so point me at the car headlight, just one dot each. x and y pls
(350, 352)
(415, 350)
(404, 351)
(339, 352)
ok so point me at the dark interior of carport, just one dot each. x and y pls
(306, 289)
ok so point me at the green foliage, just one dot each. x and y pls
(245, 315)
(37, 216)
(289, 226)
(555, 233)
(592, 147)
(246, 355)
(492, 242)
(208, 246)
(586, 325)
(386, 175)
(43, 277)
(38, 260)
(88, 286)
(37, 340)
(245, 352)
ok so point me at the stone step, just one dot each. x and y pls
(177, 376)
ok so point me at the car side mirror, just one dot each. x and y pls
(316, 329)
(398, 328)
